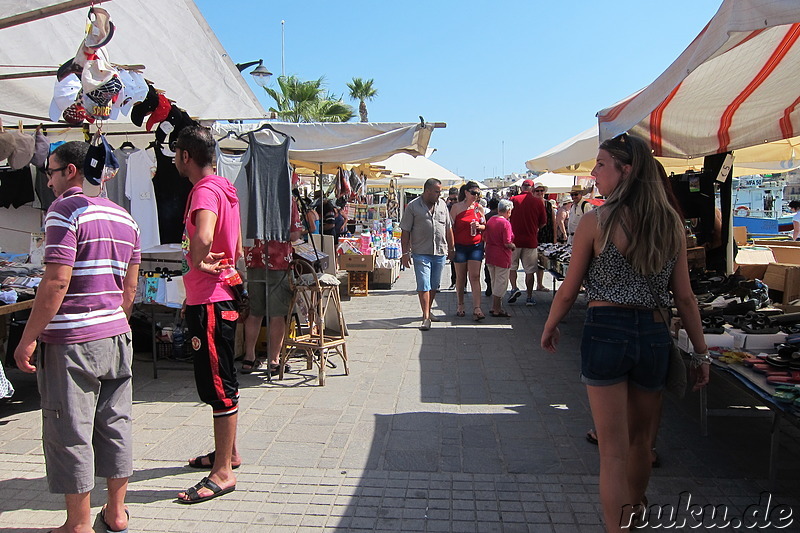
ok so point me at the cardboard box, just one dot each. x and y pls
(752, 261)
(723, 340)
(696, 257)
(755, 342)
(788, 255)
(385, 277)
(740, 235)
(357, 263)
(784, 278)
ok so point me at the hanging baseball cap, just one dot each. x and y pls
(41, 149)
(101, 29)
(146, 106)
(98, 102)
(173, 124)
(7, 145)
(23, 150)
(160, 113)
(64, 92)
(136, 90)
(100, 164)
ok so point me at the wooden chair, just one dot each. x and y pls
(316, 292)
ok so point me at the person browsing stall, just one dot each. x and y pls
(427, 241)
(80, 317)
(626, 344)
(579, 208)
(468, 225)
(213, 233)
(499, 240)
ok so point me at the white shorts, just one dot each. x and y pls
(530, 259)
(499, 279)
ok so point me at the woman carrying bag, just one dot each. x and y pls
(626, 344)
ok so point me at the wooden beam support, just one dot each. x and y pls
(49, 11)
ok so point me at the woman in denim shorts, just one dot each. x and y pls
(469, 222)
(625, 345)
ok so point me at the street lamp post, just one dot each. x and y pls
(260, 73)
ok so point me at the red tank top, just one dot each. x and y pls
(461, 226)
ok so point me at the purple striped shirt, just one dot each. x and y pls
(98, 239)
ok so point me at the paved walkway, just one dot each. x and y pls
(466, 427)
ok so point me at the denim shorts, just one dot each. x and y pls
(428, 271)
(621, 344)
(468, 252)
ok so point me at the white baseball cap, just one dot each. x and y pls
(64, 94)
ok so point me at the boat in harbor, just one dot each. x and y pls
(758, 205)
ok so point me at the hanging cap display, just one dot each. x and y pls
(145, 107)
(7, 145)
(101, 29)
(160, 112)
(173, 124)
(64, 92)
(23, 150)
(98, 102)
(70, 67)
(100, 164)
(40, 150)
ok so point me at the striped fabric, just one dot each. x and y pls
(98, 239)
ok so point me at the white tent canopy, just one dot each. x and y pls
(414, 171)
(735, 86)
(555, 183)
(180, 52)
(576, 156)
(342, 142)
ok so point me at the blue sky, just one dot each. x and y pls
(510, 78)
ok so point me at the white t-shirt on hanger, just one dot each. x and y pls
(139, 189)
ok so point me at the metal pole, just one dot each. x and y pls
(283, 49)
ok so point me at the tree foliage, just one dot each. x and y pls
(307, 101)
(362, 90)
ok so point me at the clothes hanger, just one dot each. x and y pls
(229, 133)
(265, 126)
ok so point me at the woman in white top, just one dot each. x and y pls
(794, 205)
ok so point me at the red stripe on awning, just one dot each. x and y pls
(787, 129)
(614, 113)
(723, 134)
(655, 122)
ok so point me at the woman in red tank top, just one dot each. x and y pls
(468, 224)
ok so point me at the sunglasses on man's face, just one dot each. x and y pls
(539, 190)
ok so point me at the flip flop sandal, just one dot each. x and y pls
(193, 494)
(475, 316)
(501, 314)
(102, 516)
(274, 370)
(248, 367)
(197, 462)
(460, 313)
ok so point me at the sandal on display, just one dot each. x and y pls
(207, 461)
(477, 315)
(193, 493)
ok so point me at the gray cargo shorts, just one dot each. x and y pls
(86, 412)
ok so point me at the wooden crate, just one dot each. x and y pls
(358, 283)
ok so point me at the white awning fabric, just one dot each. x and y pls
(414, 171)
(341, 142)
(577, 155)
(735, 86)
(180, 52)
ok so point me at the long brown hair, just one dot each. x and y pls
(640, 205)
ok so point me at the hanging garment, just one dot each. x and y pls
(232, 168)
(270, 194)
(115, 189)
(141, 168)
(43, 192)
(172, 191)
(16, 187)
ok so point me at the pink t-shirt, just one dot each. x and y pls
(218, 195)
(495, 237)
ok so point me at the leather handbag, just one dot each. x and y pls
(676, 371)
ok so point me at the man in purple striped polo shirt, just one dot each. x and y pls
(80, 316)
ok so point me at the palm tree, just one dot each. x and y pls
(362, 90)
(307, 101)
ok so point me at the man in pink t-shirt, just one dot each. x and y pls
(212, 234)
